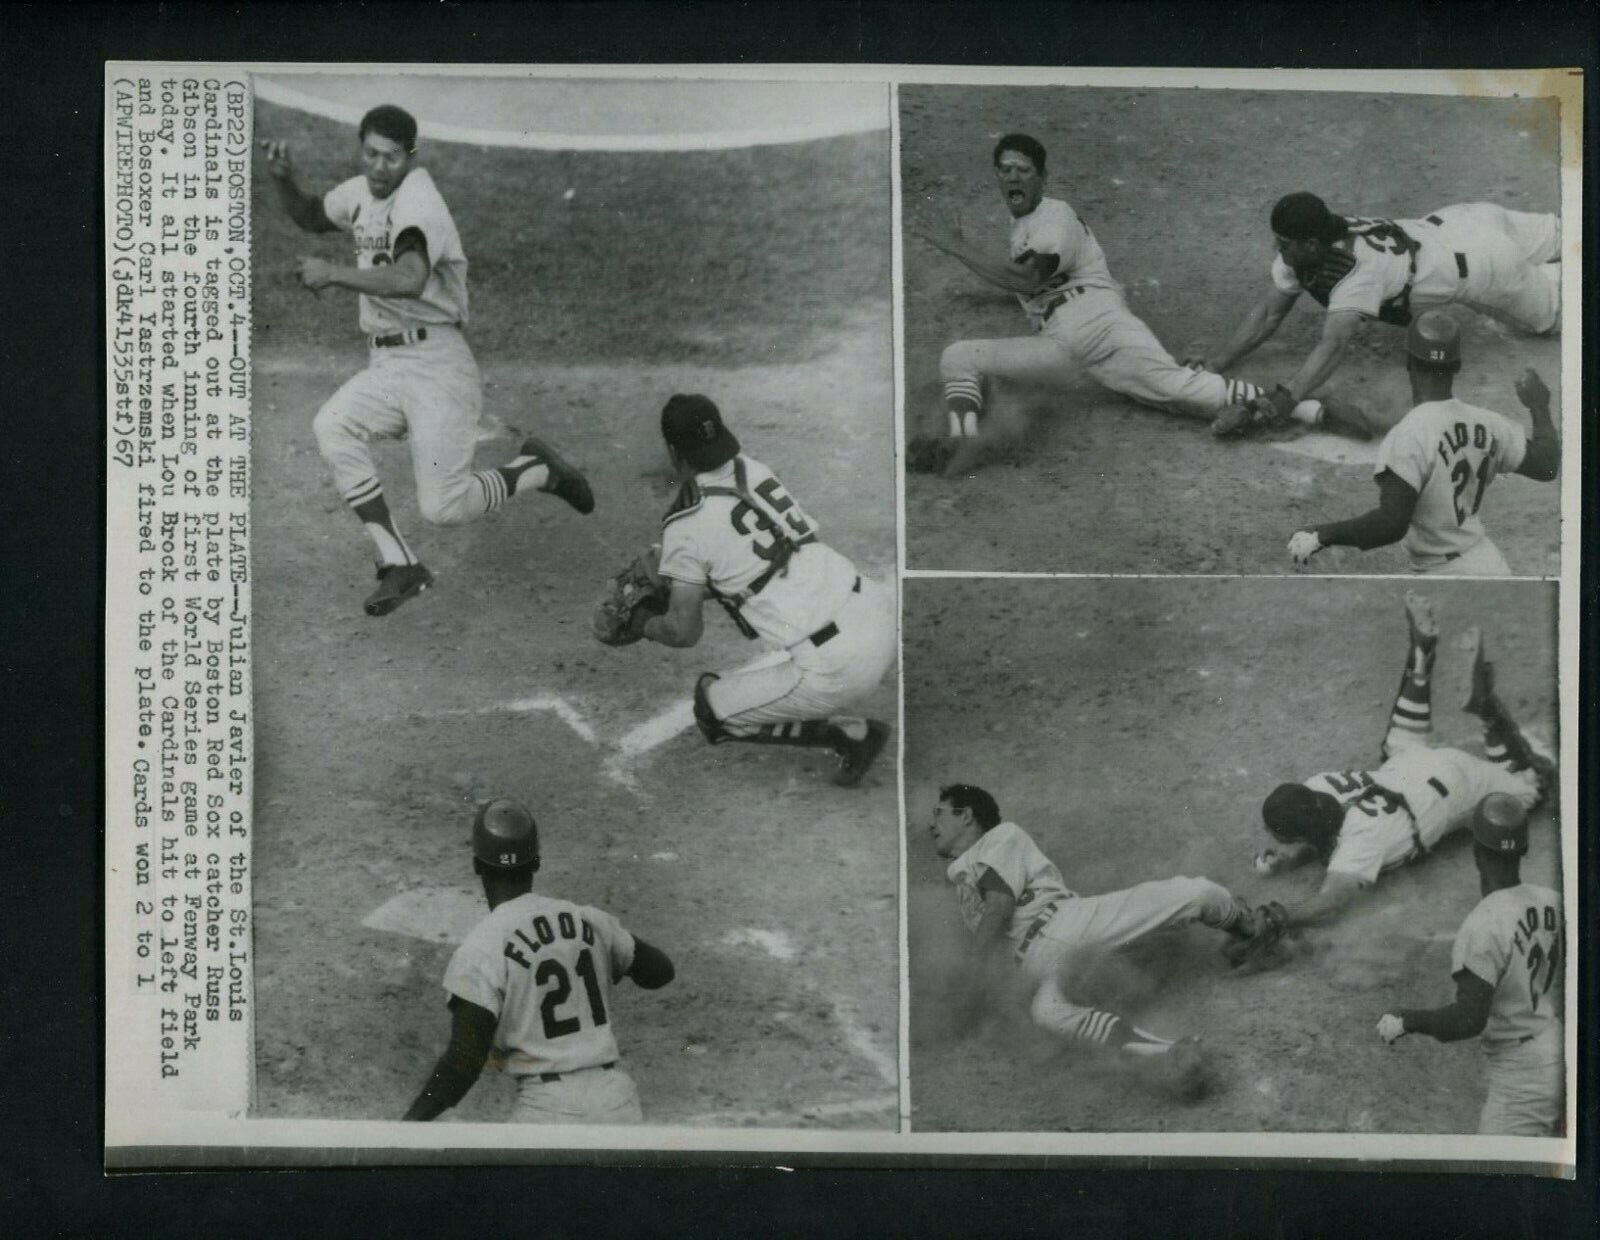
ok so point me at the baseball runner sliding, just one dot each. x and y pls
(421, 380)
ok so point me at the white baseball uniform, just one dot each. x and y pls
(1083, 324)
(421, 379)
(1402, 809)
(1515, 941)
(836, 629)
(1498, 262)
(1448, 452)
(545, 968)
(1050, 922)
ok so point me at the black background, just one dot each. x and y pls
(51, 1009)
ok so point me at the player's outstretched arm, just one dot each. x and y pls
(471, 1035)
(652, 968)
(1338, 330)
(1455, 1022)
(1024, 279)
(1542, 460)
(1337, 893)
(1377, 527)
(683, 622)
(1258, 327)
(303, 208)
(407, 276)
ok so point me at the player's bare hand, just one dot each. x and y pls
(939, 228)
(316, 273)
(279, 166)
(1267, 861)
(1195, 359)
(1391, 1028)
(1303, 546)
(1531, 390)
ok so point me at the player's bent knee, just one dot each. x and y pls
(453, 507)
(960, 358)
(331, 431)
(704, 717)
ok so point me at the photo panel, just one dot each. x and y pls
(1110, 367)
(1160, 962)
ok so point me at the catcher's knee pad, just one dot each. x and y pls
(704, 717)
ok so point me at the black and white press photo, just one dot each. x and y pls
(597, 374)
(1231, 331)
(1175, 869)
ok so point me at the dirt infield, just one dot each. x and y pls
(1132, 727)
(1177, 186)
(773, 891)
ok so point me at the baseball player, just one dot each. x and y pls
(1507, 963)
(421, 380)
(1363, 823)
(1498, 262)
(1015, 903)
(1059, 275)
(1435, 464)
(734, 534)
(531, 986)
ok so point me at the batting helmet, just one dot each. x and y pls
(504, 836)
(1305, 217)
(1500, 824)
(1435, 340)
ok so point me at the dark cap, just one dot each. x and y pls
(1435, 340)
(504, 836)
(1304, 217)
(1294, 813)
(1500, 824)
(692, 427)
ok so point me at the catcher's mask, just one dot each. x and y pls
(1295, 814)
(504, 836)
(693, 428)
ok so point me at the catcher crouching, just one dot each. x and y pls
(734, 535)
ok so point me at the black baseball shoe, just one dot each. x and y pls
(856, 756)
(397, 583)
(929, 454)
(566, 481)
(1233, 421)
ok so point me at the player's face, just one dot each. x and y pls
(1297, 253)
(1021, 184)
(385, 163)
(950, 829)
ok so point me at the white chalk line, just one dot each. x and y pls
(1333, 449)
(832, 127)
(864, 1044)
(543, 703)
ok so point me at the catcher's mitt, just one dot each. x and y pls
(632, 597)
(1268, 924)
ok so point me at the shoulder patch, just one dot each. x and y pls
(686, 501)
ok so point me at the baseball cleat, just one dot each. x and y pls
(929, 454)
(1233, 421)
(856, 756)
(1419, 615)
(397, 583)
(566, 481)
(1481, 700)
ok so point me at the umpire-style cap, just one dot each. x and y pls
(1500, 824)
(1305, 217)
(692, 427)
(1435, 340)
(504, 836)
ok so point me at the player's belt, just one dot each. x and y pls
(1032, 932)
(1461, 259)
(1055, 302)
(829, 631)
(395, 339)
(556, 1076)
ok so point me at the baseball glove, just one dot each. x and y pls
(1268, 924)
(632, 597)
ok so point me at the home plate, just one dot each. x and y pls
(433, 914)
(1332, 448)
